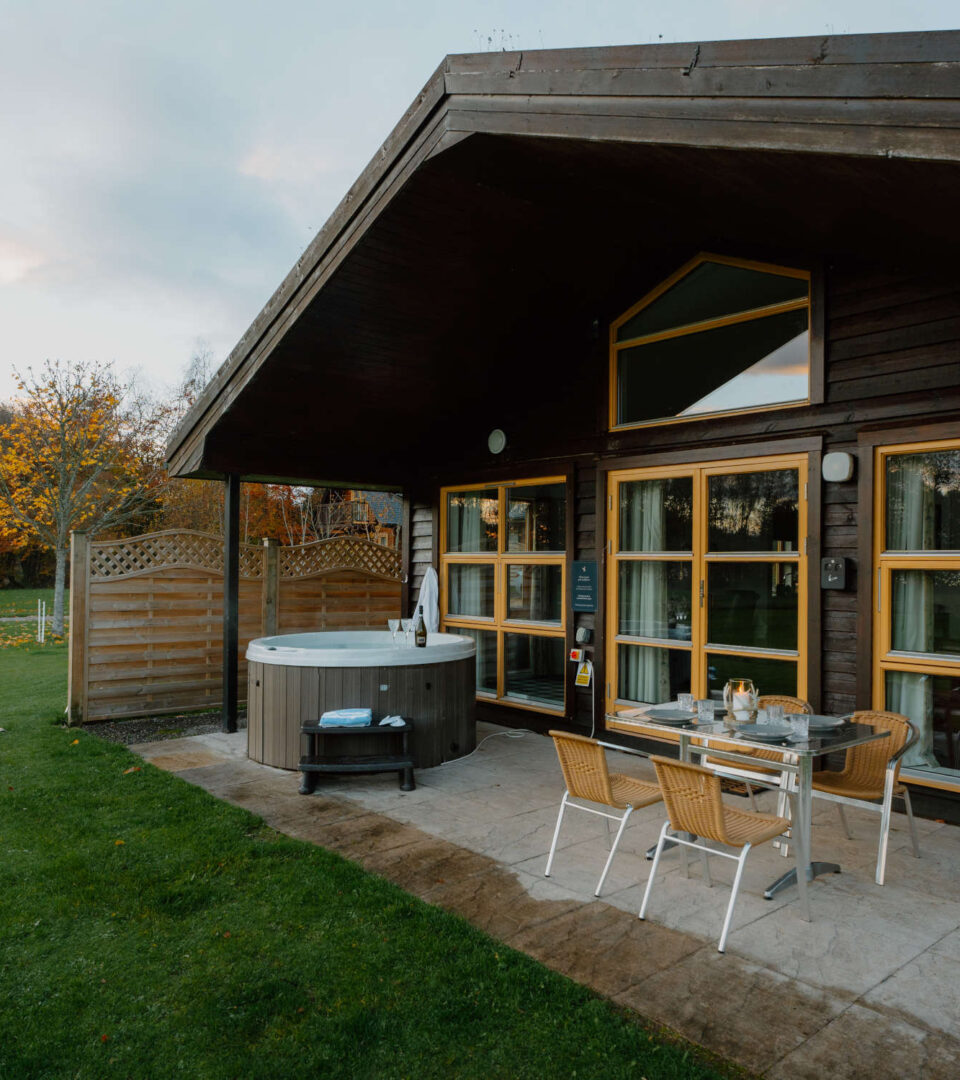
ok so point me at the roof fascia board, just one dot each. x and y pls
(919, 47)
(728, 126)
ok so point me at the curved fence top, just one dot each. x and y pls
(188, 549)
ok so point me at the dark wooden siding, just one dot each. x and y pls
(892, 337)
(422, 546)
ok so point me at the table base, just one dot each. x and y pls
(814, 869)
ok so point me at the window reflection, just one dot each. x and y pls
(472, 520)
(654, 600)
(756, 511)
(534, 669)
(535, 593)
(657, 515)
(753, 605)
(471, 590)
(923, 501)
(536, 517)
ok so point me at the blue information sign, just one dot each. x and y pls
(585, 586)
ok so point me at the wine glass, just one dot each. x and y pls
(393, 625)
(407, 625)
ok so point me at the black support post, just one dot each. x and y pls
(231, 599)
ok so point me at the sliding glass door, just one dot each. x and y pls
(707, 579)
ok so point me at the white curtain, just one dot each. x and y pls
(644, 672)
(467, 534)
(910, 527)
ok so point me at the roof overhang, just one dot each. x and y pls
(502, 215)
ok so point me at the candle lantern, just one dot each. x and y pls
(740, 700)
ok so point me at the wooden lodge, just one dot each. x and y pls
(686, 313)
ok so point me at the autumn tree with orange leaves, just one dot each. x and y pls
(78, 451)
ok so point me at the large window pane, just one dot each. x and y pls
(769, 676)
(932, 702)
(654, 599)
(926, 611)
(472, 520)
(536, 517)
(471, 590)
(745, 365)
(710, 291)
(486, 657)
(657, 515)
(755, 511)
(752, 604)
(651, 676)
(923, 501)
(535, 593)
(534, 669)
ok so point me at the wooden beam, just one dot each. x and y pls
(231, 600)
(79, 591)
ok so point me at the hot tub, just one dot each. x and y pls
(293, 678)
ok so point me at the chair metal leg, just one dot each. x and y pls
(613, 850)
(913, 824)
(705, 860)
(733, 898)
(885, 826)
(653, 869)
(684, 860)
(556, 833)
(843, 821)
(753, 801)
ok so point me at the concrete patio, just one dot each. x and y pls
(870, 987)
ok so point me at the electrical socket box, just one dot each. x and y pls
(833, 572)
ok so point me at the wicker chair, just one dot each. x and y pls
(870, 773)
(790, 705)
(584, 766)
(695, 808)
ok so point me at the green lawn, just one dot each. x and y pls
(24, 601)
(148, 930)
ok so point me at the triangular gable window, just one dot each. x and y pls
(720, 335)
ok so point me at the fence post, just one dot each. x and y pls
(79, 591)
(270, 616)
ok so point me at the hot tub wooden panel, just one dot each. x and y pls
(438, 698)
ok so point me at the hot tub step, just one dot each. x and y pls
(363, 763)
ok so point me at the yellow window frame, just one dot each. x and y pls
(885, 563)
(500, 623)
(700, 559)
(616, 347)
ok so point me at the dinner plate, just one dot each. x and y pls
(672, 716)
(765, 732)
(825, 723)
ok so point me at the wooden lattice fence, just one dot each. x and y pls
(146, 613)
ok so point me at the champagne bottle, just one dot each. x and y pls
(420, 629)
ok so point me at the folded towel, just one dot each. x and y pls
(392, 721)
(347, 718)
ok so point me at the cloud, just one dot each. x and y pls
(17, 259)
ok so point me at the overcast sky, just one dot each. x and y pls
(164, 164)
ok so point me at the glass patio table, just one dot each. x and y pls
(722, 740)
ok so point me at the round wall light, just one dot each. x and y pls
(496, 441)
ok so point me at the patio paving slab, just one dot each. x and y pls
(868, 988)
(863, 1043)
(738, 1009)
